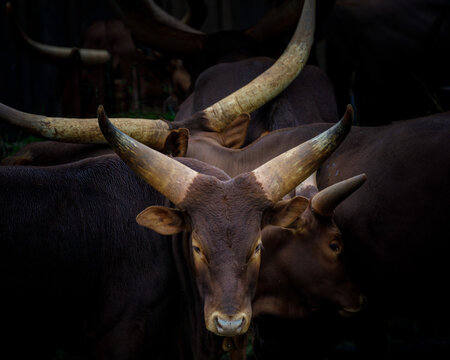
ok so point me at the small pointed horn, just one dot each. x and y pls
(271, 82)
(88, 57)
(284, 172)
(166, 175)
(329, 198)
(153, 133)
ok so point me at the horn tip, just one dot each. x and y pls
(361, 178)
(101, 116)
(349, 113)
(100, 110)
(357, 180)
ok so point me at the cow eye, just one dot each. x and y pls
(258, 248)
(196, 249)
(334, 246)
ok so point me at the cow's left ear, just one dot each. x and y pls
(163, 220)
(285, 212)
(233, 136)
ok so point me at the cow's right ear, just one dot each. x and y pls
(163, 220)
(285, 212)
(233, 136)
(176, 142)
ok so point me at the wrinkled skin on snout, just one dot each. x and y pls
(304, 270)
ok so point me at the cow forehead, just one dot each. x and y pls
(226, 213)
(208, 196)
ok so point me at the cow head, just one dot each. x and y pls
(224, 217)
(303, 267)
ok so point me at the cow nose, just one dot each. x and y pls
(230, 327)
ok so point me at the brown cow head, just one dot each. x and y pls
(224, 217)
(303, 267)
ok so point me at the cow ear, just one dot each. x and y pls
(285, 212)
(163, 220)
(233, 136)
(176, 142)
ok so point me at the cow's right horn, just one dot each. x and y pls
(166, 175)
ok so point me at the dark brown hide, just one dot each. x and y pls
(391, 56)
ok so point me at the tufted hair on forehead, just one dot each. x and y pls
(227, 210)
(241, 191)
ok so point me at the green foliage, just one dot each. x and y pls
(9, 147)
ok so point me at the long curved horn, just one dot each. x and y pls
(88, 57)
(271, 82)
(284, 172)
(153, 133)
(160, 15)
(325, 201)
(168, 176)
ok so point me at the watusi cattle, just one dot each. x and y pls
(58, 260)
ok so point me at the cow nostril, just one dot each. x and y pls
(229, 327)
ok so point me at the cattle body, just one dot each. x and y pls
(77, 271)
(393, 53)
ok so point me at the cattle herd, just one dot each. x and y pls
(256, 218)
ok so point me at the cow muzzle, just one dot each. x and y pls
(224, 325)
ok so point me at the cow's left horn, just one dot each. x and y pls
(325, 201)
(166, 175)
(284, 172)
